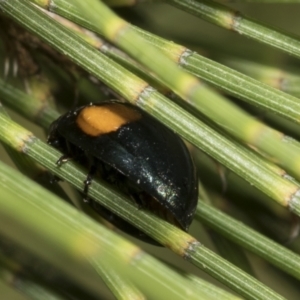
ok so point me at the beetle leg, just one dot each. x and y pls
(88, 182)
(54, 179)
(63, 159)
(66, 157)
(137, 199)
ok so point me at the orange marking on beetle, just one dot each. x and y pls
(97, 120)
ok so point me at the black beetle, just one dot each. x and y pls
(129, 148)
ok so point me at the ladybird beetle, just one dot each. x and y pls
(127, 147)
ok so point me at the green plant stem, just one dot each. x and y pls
(236, 121)
(71, 234)
(243, 86)
(214, 292)
(165, 233)
(250, 239)
(136, 91)
(120, 286)
(227, 18)
(26, 286)
(26, 105)
(236, 83)
(284, 78)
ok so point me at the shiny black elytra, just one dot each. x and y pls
(130, 149)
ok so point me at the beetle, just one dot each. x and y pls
(132, 150)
